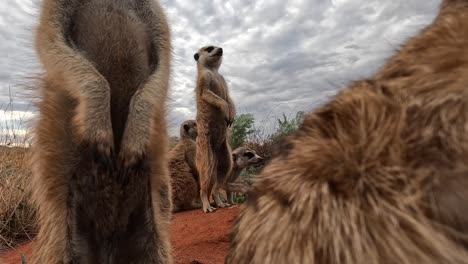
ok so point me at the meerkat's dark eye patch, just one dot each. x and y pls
(249, 155)
(196, 56)
(209, 49)
(186, 128)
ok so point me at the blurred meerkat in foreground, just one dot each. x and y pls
(184, 175)
(380, 173)
(215, 112)
(100, 176)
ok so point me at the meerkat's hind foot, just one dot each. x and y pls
(208, 209)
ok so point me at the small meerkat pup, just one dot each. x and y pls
(215, 112)
(184, 175)
(99, 160)
(379, 174)
(242, 158)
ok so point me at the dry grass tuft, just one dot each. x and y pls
(17, 217)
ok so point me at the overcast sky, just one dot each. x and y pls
(279, 56)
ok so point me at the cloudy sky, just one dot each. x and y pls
(280, 56)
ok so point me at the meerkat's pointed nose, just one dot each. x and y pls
(220, 52)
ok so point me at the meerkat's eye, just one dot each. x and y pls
(249, 155)
(209, 49)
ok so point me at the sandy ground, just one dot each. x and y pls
(202, 237)
(197, 238)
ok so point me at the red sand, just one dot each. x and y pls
(197, 238)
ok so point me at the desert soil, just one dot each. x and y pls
(196, 238)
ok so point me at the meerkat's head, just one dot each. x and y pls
(188, 129)
(209, 56)
(245, 157)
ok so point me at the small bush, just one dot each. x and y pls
(242, 128)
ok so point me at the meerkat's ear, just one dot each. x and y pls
(196, 56)
(234, 156)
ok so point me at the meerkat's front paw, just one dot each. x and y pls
(133, 152)
(98, 147)
(131, 163)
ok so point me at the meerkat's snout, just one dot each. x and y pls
(256, 159)
(259, 159)
(219, 52)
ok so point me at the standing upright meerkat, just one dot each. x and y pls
(100, 177)
(215, 112)
(183, 171)
(380, 173)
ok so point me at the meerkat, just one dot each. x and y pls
(100, 174)
(215, 113)
(183, 171)
(242, 158)
(379, 174)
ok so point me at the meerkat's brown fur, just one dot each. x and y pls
(215, 112)
(107, 66)
(242, 158)
(184, 174)
(380, 173)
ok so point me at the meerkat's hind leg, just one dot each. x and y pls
(207, 182)
(217, 197)
(207, 208)
(224, 167)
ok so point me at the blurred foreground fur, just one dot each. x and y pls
(380, 173)
(99, 158)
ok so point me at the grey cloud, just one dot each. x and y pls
(280, 56)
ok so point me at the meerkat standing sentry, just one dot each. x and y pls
(380, 173)
(107, 66)
(184, 175)
(215, 112)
